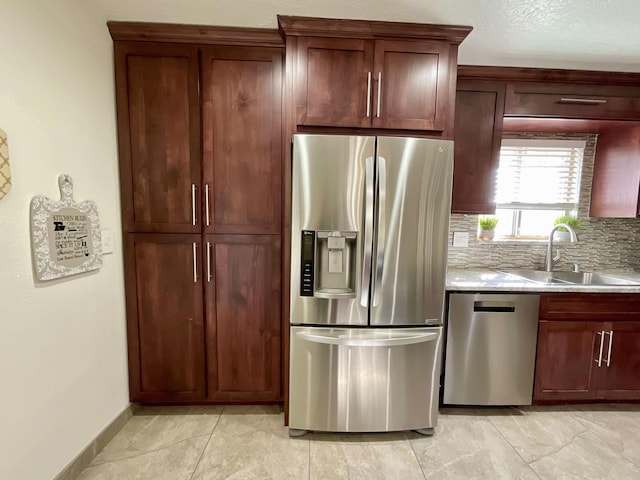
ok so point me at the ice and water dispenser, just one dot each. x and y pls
(328, 264)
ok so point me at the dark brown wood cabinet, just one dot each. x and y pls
(366, 83)
(568, 101)
(159, 139)
(588, 348)
(334, 82)
(413, 85)
(242, 146)
(200, 139)
(615, 191)
(165, 315)
(620, 380)
(361, 74)
(564, 100)
(243, 317)
(477, 135)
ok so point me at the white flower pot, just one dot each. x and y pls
(486, 234)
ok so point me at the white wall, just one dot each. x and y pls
(63, 373)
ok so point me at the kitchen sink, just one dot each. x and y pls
(574, 278)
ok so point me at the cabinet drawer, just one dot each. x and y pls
(589, 306)
(572, 101)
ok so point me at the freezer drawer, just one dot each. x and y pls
(491, 349)
(364, 380)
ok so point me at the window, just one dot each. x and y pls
(538, 181)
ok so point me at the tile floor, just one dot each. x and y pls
(250, 442)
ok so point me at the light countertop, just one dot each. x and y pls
(493, 281)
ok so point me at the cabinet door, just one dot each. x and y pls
(616, 173)
(242, 145)
(572, 101)
(412, 85)
(566, 361)
(619, 374)
(243, 317)
(158, 136)
(332, 87)
(165, 318)
(477, 135)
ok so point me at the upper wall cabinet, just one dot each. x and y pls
(615, 191)
(159, 132)
(348, 73)
(477, 134)
(573, 101)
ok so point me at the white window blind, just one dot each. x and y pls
(539, 174)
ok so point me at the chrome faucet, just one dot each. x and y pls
(550, 260)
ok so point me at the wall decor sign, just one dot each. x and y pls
(5, 173)
(65, 235)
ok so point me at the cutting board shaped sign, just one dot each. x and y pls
(65, 235)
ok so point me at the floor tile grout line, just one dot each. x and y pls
(195, 469)
(309, 444)
(415, 455)
(512, 447)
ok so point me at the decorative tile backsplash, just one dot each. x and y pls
(604, 243)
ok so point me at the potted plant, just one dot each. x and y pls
(487, 227)
(562, 234)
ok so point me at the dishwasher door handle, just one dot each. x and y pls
(368, 342)
(494, 306)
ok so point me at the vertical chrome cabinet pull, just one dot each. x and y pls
(379, 92)
(599, 360)
(206, 202)
(208, 262)
(193, 203)
(368, 94)
(610, 332)
(195, 262)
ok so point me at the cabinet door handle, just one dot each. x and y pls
(585, 101)
(206, 202)
(208, 262)
(610, 332)
(379, 92)
(193, 203)
(195, 262)
(368, 94)
(599, 360)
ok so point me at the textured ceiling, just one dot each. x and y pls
(580, 34)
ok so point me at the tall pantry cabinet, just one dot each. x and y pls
(200, 147)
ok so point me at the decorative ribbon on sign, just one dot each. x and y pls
(5, 173)
(65, 235)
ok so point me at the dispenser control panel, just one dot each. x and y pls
(306, 264)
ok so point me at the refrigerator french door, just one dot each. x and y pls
(370, 221)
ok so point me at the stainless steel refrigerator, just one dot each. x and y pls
(370, 222)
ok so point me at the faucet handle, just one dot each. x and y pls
(576, 268)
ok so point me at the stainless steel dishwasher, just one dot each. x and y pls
(491, 349)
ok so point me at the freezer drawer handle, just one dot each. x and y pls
(368, 342)
(498, 307)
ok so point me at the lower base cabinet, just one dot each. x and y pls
(243, 318)
(203, 318)
(588, 360)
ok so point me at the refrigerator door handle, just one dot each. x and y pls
(368, 342)
(368, 232)
(381, 232)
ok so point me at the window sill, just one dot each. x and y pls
(517, 241)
